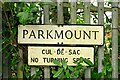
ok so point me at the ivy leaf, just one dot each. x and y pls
(67, 74)
(105, 47)
(70, 68)
(27, 74)
(105, 71)
(34, 9)
(109, 68)
(58, 73)
(37, 69)
(53, 71)
(23, 17)
(76, 73)
(87, 61)
(57, 63)
(64, 64)
(96, 75)
(81, 59)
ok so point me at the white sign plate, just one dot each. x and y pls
(66, 34)
(44, 55)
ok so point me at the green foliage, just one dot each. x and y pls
(107, 71)
(95, 75)
(23, 17)
(30, 13)
(38, 74)
(66, 71)
(57, 63)
(27, 71)
(9, 36)
(80, 19)
(58, 73)
(27, 14)
(87, 61)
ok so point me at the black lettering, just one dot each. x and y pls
(58, 35)
(43, 51)
(55, 59)
(48, 34)
(76, 35)
(44, 59)
(25, 32)
(34, 60)
(32, 34)
(74, 60)
(48, 60)
(88, 58)
(88, 35)
(74, 52)
(95, 34)
(78, 52)
(66, 59)
(40, 33)
(48, 51)
(66, 34)
(70, 52)
(60, 51)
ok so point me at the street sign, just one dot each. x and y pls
(39, 55)
(61, 34)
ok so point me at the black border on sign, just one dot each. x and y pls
(72, 45)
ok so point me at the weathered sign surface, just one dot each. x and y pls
(44, 55)
(66, 34)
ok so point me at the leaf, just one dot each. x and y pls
(80, 65)
(27, 74)
(23, 17)
(81, 59)
(62, 77)
(96, 75)
(76, 73)
(53, 71)
(87, 61)
(37, 69)
(109, 68)
(64, 64)
(104, 71)
(84, 68)
(105, 47)
(34, 9)
(67, 74)
(57, 63)
(99, 75)
(70, 68)
(58, 73)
